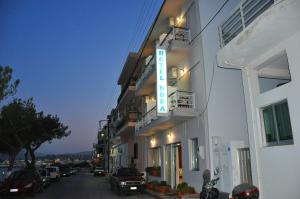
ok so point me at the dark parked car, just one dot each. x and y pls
(23, 181)
(127, 180)
(65, 171)
(99, 171)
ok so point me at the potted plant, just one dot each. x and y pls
(149, 186)
(163, 187)
(155, 185)
(182, 188)
(148, 170)
(191, 190)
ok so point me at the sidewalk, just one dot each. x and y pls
(170, 196)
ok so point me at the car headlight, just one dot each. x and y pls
(122, 183)
(44, 179)
(28, 186)
(143, 182)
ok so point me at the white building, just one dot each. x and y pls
(231, 89)
(267, 52)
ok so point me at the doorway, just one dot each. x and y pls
(173, 164)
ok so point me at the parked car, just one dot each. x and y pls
(65, 171)
(54, 173)
(127, 180)
(73, 170)
(23, 181)
(46, 179)
(99, 171)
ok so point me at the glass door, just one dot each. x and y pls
(168, 164)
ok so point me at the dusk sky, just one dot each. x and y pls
(68, 55)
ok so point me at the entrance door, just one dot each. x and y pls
(177, 165)
(168, 164)
(245, 165)
(173, 164)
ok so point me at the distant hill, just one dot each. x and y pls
(84, 155)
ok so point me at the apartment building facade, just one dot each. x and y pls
(219, 92)
(126, 149)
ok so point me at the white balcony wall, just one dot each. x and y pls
(226, 116)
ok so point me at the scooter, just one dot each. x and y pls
(208, 188)
(242, 191)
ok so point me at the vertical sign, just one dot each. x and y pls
(161, 83)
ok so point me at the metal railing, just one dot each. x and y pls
(177, 99)
(247, 11)
(181, 99)
(147, 118)
(176, 33)
(148, 70)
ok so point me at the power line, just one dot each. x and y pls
(143, 15)
(145, 19)
(215, 15)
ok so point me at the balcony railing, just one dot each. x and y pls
(148, 70)
(131, 116)
(181, 99)
(177, 99)
(247, 12)
(178, 34)
(129, 83)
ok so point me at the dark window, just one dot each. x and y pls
(277, 124)
(135, 150)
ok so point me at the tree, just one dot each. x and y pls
(16, 122)
(7, 87)
(22, 127)
(45, 129)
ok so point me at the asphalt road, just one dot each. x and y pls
(82, 185)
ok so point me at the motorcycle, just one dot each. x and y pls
(242, 191)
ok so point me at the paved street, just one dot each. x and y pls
(82, 186)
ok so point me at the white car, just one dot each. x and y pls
(54, 173)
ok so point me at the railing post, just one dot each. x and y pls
(194, 100)
(242, 16)
(176, 99)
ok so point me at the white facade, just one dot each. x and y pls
(227, 100)
(270, 59)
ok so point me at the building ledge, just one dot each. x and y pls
(268, 30)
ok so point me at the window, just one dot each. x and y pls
(194, 154)
(135, 150)
(154, 157)
(277, 124)
(274, 72)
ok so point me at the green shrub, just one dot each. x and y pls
(163, 183)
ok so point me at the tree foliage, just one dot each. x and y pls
(22, 127)
(7, 87)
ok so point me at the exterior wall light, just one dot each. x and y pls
(180, 20)
(153, 142)
(170, 136)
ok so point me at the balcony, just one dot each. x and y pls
(127, 91)
(146, 83)
(126, 123)
(255, 28)
(176, 39)
(181, 108)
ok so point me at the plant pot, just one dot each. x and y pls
(163, 189)
(149, 186)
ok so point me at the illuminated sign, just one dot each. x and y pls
(161, 83)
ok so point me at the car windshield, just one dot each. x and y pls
(20, 175)
(43, 173)
(128, 172)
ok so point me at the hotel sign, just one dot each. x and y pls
(161, 83)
